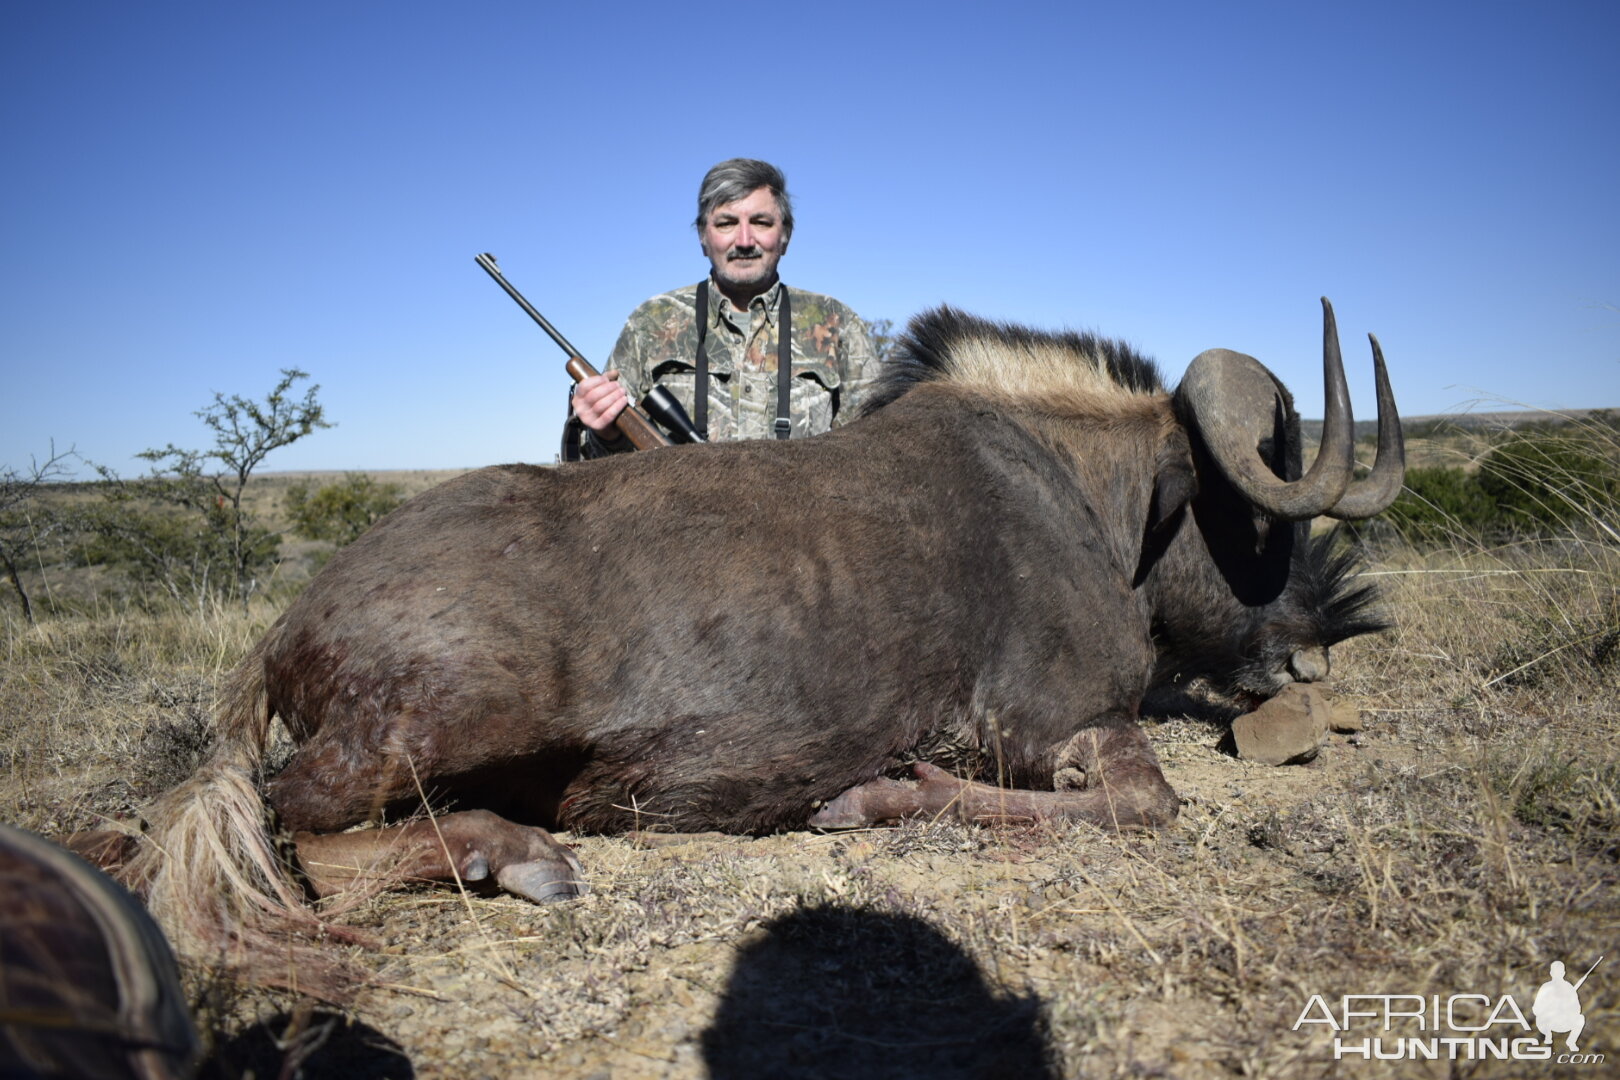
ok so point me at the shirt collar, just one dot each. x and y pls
(771, 298)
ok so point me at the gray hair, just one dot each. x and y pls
(739, 178)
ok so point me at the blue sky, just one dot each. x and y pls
(196, 195)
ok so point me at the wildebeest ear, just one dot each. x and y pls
(1174, 481)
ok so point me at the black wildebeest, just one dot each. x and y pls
(978, 581)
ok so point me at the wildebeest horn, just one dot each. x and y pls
(1367, 497)
(1236, 403)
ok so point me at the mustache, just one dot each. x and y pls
(752, 251)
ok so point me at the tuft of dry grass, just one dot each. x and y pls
(102, 711)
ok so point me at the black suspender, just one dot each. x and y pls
(784, 365)
(700, 390)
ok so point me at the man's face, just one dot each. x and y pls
(744, 241)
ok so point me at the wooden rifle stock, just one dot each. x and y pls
(632, 423)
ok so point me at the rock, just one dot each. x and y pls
(1287, 730)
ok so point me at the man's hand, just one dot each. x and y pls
(598, 401)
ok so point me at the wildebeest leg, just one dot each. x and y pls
(470, 844)
(1115, 777)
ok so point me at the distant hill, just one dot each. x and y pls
(1504, 420)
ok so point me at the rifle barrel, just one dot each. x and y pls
(487, 261)
(632, 424)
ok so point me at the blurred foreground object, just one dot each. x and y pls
(88, 986)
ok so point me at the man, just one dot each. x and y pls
(725, 360)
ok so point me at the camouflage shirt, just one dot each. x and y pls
(834, 363)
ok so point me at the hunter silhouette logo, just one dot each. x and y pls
(1557, 1007)
(1458, 1027)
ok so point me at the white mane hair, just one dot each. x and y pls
(1014, 362)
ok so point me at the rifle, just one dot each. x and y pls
(632, 423)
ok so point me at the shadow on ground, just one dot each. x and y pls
(310, 1043)
(862, 995)
(1172, 702)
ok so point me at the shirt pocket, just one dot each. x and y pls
(816, 384)
(810, 406)
(813, 402)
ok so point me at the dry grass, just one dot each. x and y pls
(1467, 838)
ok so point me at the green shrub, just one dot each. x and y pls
(1542, 481)
(1549, 481)
(340, 512)
(1440, 503)
(185, 554)
(185, 525)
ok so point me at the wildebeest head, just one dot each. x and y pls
(1297, 593)
(1207, 484)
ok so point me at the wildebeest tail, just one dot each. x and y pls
(211, 869)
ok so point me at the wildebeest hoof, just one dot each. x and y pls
(843, 812)
(544, 881)
(864, 804)
(477, 868)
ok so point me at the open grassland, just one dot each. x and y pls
(1469, 836)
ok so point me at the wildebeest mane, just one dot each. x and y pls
(945, 344)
